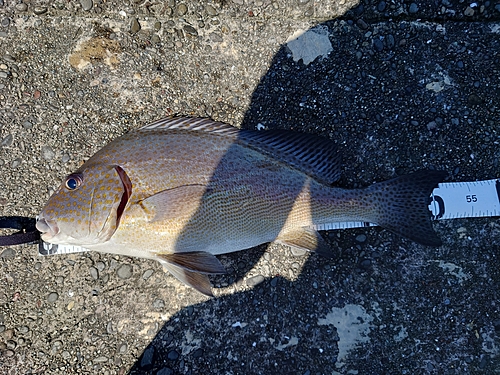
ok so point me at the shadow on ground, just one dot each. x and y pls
(404, 98)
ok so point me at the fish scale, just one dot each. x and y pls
(183, 190)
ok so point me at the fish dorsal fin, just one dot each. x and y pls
(315, 156)
(188, 123)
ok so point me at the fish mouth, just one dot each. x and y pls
(48, 228)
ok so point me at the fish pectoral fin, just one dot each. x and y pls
(195, 261)
(195, 280)
(177, 203)
(306, 239)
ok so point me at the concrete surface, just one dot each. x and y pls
(398, 85)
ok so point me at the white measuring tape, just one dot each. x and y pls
(450, 200)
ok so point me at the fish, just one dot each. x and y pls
(183, 190)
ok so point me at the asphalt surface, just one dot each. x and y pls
(400, 86)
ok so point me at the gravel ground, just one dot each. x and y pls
(399, 86)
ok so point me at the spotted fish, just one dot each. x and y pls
(184, 190)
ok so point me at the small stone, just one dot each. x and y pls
(5, 22)
(214, 37)
(16, 163)
(9, 353)
(22, 7)
(147, 274)
(23, 329)
(473, 99)
(100, 359)
(173, 355)
(378, 46)
(469, 12)
(158, 303)
(94, 273)
(123, 348)
(7, 141)
(125, 271)
(190, 30)
(147, 357)
(198, 353)
(9, 58)
(2, 328)
(65, 157)
(86, 4)
(413, 8)
(135, 26)
(165, 371)
(389, 41)
(298, 252)
(365, 263)
(48, 153)
(182, 9)
(255, 280)
(8, 253)
(431, 125)
(361, 238)
(27, 125)
(381, 6)
(302, 2)
(157, 26)
(40, 10)
(53, 297)
(210, 10)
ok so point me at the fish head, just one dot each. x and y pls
(87, 207)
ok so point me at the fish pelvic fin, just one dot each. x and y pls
(196, 280)
(192, 268)
(401, 205)
(305, 239)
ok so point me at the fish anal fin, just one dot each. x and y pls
(196, 280)
(195, 261)
(306, 239)
(177, 203)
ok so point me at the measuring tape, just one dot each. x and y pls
(450, 200)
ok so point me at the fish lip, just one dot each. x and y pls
(48, 228)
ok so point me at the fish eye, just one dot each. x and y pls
(73, 182)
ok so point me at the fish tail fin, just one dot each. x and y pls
(401, 205)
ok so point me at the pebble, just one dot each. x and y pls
(378, 45)
(21, 7)
(181, 9)
(255, 280)
(381, 6)
(125, 271)
(157, 26)
(210, 10)
(53, 297)
(23, 329)
(27, 125)
(214, 37)
(135, 26)
(147, 357)
(9, 353)
(94, 273)
(297, 252)
(173, 355)
(302, 2)
(5, 22)
(190, 30)
(16, 163)
(48, 153)
(8, 253)
(413, 8)
(469, 12)
(123, 348)
(86, 4)
(361, 238)
(165, 371)
(40, 10)
(198, 353)
(100, 359)
(7, 141)
(2, 328)
(4, 74)
(158, 303)
(239, 2)
(147, 274)
(65, 157)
